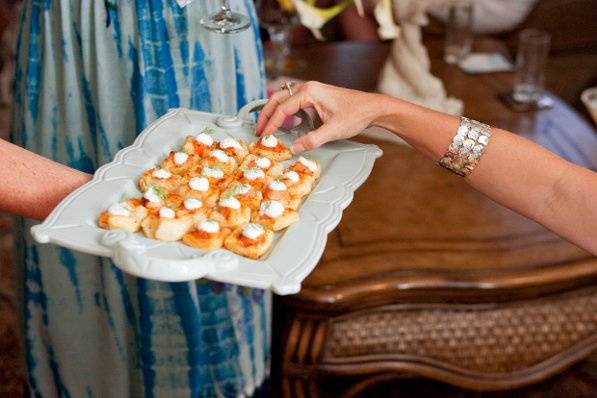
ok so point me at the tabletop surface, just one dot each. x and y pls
(416, 232)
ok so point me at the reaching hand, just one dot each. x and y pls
(344, 113)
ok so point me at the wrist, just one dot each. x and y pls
(386, 112)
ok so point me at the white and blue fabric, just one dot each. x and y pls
(90, 76)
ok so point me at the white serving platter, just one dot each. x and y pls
(297, 250)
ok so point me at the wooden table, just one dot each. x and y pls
(425, 276)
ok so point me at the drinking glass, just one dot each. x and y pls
(459, 32)
(589, 98)
(533, 48)
(279, 18)
(226, 20)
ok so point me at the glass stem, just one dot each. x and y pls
(280, 38)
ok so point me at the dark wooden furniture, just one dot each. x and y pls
(425, 276)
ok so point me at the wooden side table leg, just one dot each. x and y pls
(303, 341)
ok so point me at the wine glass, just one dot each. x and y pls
(226, 20)
(279, 18)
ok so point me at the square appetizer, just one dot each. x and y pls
(201, 144)
(251, 240)
(270, 167)
(235, 148)
(207, 235)
(270, 147)
(126, 215)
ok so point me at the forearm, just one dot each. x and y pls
(33, 185)
(513, 171)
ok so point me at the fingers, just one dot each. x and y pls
(269, 109)
(314, 139)
(288, 107)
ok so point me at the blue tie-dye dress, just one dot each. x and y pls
(90, 76)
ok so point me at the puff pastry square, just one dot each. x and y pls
(239, 244)
(205, 240)
(279, 152)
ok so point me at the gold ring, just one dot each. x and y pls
(288, 86)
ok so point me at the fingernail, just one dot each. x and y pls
(297, 148)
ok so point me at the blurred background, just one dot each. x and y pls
(350, 52)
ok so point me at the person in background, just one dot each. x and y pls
(90, 75)
(490, 17)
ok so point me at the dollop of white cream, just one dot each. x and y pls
(230, 202)
(269, 141)
(152, 195)
(192, 204)
(263, 163)
(162, 174)
(277, 185)
(230, 142)
(219, 155)
(271, 208)
(120, 209)
(253, 174)
(180, 158)
(166, 212)
(311, 165)
(199, 184)
(253, 231)
(214, 172)
(204, 139)
(209, 226)
(292, 176)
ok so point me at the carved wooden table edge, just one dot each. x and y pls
(490, 346)
(470, 288)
